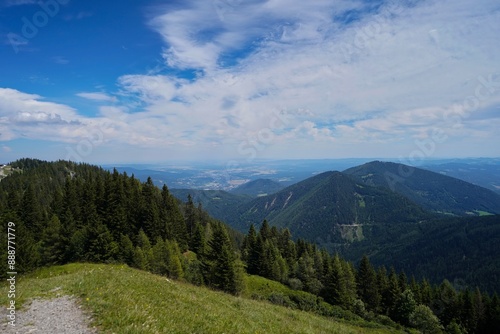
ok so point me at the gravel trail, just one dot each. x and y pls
(61, 315)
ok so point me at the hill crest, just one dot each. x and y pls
(433, 191)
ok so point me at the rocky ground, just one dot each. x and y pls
(61, 315)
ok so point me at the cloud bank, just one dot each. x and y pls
(267, 79)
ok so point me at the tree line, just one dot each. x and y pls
(366, 290)
(66, 212)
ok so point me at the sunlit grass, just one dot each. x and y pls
(125, 300)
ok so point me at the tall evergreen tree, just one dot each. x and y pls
(199, 242)
(52, 248)
(150, 211)
(31, 213)
(367, 284)
(224, 273)
(173, 260)
(126, 254)
(392, 294)
(190, 216)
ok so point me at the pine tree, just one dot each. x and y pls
(444, 304)
(306, 273)
(145, 247)
(101, 246)
(367, 284)
(52, 246)
(159, 257)
(199, 242)
(224, 273)
(256, 257)
(31, 212)
(140, 261)
(415, 288)
(248, 244)
(425, 292)
(150, 212)
(27, 248)
(173, 260)
(392, 294)
(126, 254)
(175, 225)
(265, 231)
(190, 214)
(336, 293)
(350, 282)
(78, 245)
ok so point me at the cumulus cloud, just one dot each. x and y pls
(300, 79)
(28, 115)
(362, 72)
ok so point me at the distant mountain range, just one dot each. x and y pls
(423, 222)
(483, 172)
(410, 218)
(368, 194)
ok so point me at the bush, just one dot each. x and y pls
(282, 300)
(424, 320)
(295, 284)
(304, 301)
(335, 311)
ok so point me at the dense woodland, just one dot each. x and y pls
(66, 212)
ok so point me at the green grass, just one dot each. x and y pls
(483, 213)
(126, 300)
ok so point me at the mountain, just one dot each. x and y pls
(482, 172)
(259, 187)
(433, 191)
(463, 250)
(329, 208)
(219, 204)
(355, 214)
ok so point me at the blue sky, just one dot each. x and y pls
(152, 81)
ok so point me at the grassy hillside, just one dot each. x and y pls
(125, 300)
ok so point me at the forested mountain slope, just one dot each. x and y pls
(433, 191)
(329, 208)
(259, 187)
(66, 212)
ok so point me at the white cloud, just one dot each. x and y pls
(393, 75)
(97, 96)
(307, 82)
(27, 115)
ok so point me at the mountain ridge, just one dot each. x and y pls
(431, 190)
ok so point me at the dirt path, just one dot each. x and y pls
(60, 315)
